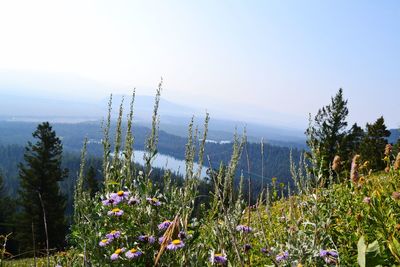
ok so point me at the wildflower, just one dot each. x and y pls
(244, 228)
(388, 149)
(116, 253)
(329, 256)
(104, 242)
(113, 234)
(336, 164)
(115, 212)
(175, 244)
(282, 256)
(354, 169)
(164, 225)
(264, 251)
(133, 253)
(246, 247)
(367, 200)
(396, 165)
(133, 201)
(145, 238)
(396, 195)
(120, 195)
(110, 202)
(153, 201)
(218, 258)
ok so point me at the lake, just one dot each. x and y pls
(168, 162)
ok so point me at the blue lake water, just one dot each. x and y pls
(167, 162)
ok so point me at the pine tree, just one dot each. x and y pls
(353, 141)
(373, 144)
(39, 191)
(326, 135)
(91, 185)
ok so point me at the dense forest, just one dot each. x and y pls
(15, 135)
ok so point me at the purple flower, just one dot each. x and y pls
(244, 228)
(113, 234)
(133, 201)
(110, 202)
(218, 258)
(120, 195)
(115, 212)
(282, 256)
(145, 238)
(264, 251)
(175, 244)
(133, 253)
(164, 225)
(104, 242)
(367, 200)
(153, 201)
(115, 255)
(329, 256)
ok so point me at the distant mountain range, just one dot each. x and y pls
(29, 97)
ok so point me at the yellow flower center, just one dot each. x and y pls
(133, 250)
(115, 210)
(104, 241)
(113, 232)
(217, 255)
(118, 251)
(154, 199)
(176, 242)
(120, 193)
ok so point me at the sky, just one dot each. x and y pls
(250, 60)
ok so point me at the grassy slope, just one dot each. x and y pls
(332, 218)
(335, 218)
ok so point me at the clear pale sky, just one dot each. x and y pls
(244, 59)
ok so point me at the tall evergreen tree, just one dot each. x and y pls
(353, 140)
(91, 185)
(326, 134)
(373, 144)
(39, 195)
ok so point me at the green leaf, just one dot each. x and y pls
(361, 247)
(368, 255)
(394, 248)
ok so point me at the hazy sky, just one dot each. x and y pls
(248, 59)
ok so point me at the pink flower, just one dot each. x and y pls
(367, 200)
